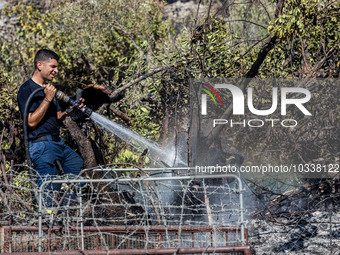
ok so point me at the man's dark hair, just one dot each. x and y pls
(43, 55)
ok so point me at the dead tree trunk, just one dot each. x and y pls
(84, 144)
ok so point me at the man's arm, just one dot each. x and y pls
(35, 117)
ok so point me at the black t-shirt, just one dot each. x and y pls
(48, 124)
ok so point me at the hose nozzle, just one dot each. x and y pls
(66, 99)
(62, 97)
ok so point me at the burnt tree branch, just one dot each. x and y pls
(122, 115)
(266, 48)
(84, 144)
(115, 93)
(140, 78)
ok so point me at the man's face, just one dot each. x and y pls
(48, 69)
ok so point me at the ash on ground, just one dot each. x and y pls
(313, 233)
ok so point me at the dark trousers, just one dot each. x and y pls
(43, 155)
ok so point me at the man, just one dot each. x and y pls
(45, 144)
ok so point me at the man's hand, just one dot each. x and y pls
(34, 118)
(72, 109)
(82, 105)
(49, 91)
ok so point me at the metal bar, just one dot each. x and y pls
(141, 229)
(81, 221)
(160, 238)
(137, 229)
(22, 245)
(246, 235)
(40, 219)
(33, 245)
(2, 239)
(243, 242)
(192, 229)
(7, 239)
(10, 193)
(245, 249)
(192, 239)
(176, 239)
(141, 179)
(139, 169)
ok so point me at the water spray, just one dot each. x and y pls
(163, 157)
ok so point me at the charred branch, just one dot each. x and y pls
(121, 115)
(83, 143)
(140, 78)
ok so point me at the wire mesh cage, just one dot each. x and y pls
(127, 210)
